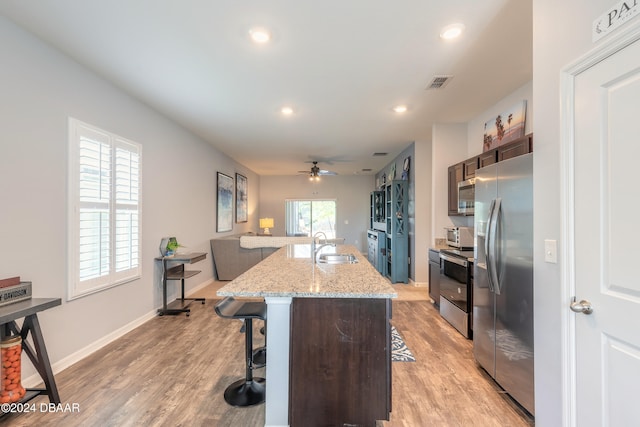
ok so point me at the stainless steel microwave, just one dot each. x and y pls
(466, 196)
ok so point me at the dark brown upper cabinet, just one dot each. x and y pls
(516, 148)
(467, 169)
(488, 158)
(470, 166)
(456, 173)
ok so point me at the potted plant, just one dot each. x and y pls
(172, 246)
(169, 246)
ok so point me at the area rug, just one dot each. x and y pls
(399, 350)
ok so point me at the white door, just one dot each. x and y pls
(607, 240)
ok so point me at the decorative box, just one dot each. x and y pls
(16, 293)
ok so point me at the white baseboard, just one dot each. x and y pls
(59, 366)
(62, 364)
(419, 284)
(201, 286)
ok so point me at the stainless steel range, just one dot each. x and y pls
(456, 288)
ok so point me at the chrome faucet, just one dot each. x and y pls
(314, 249)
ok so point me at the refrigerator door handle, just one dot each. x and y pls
(487, 230)
(487, 240)
(499, 267)
(492, 258)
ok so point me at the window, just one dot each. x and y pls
(104, 209)
(307, 217)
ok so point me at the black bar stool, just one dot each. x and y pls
(250, 390)
(259, 355)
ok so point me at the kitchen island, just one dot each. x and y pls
(328, 337)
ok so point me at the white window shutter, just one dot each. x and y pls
(104, 208)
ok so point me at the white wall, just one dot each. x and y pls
(351, 192)
(422, 164)
(562, 33)
(40, 89)
(449, 146)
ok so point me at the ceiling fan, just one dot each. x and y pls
(316, 172)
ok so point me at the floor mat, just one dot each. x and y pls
(399, 350)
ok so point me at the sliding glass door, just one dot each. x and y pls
(307, 217)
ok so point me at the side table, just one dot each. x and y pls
(38, 353)
(178, 272)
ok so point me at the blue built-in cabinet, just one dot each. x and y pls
(377, 250)
(377, 218)
(397, 218)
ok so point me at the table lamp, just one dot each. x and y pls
(266, 223)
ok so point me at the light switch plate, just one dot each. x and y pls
(551, 251)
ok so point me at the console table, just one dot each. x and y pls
(178, 272)
(38, 353)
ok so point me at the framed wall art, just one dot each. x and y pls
(505, 127)
(224, 211)
(242, 213)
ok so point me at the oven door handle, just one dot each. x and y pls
(455, 260)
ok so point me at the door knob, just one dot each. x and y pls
(583, 306)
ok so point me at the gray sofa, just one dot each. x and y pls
(233, 255)
(230, 260)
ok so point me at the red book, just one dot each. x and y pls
(12, 281)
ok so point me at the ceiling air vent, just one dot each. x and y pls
(380, 154)
(367, 170)
(439, 82)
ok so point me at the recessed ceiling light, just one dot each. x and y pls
(400, 109)
(260, 35)
(287, 111)
(452, 31)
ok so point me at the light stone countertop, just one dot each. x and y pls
(290, 272)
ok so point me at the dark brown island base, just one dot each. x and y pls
(328, 337)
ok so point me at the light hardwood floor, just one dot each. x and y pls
(172, 371)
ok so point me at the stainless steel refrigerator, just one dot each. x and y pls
(503, 276)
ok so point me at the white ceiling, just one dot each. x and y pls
(341, 64)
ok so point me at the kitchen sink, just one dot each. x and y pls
(337, 259)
